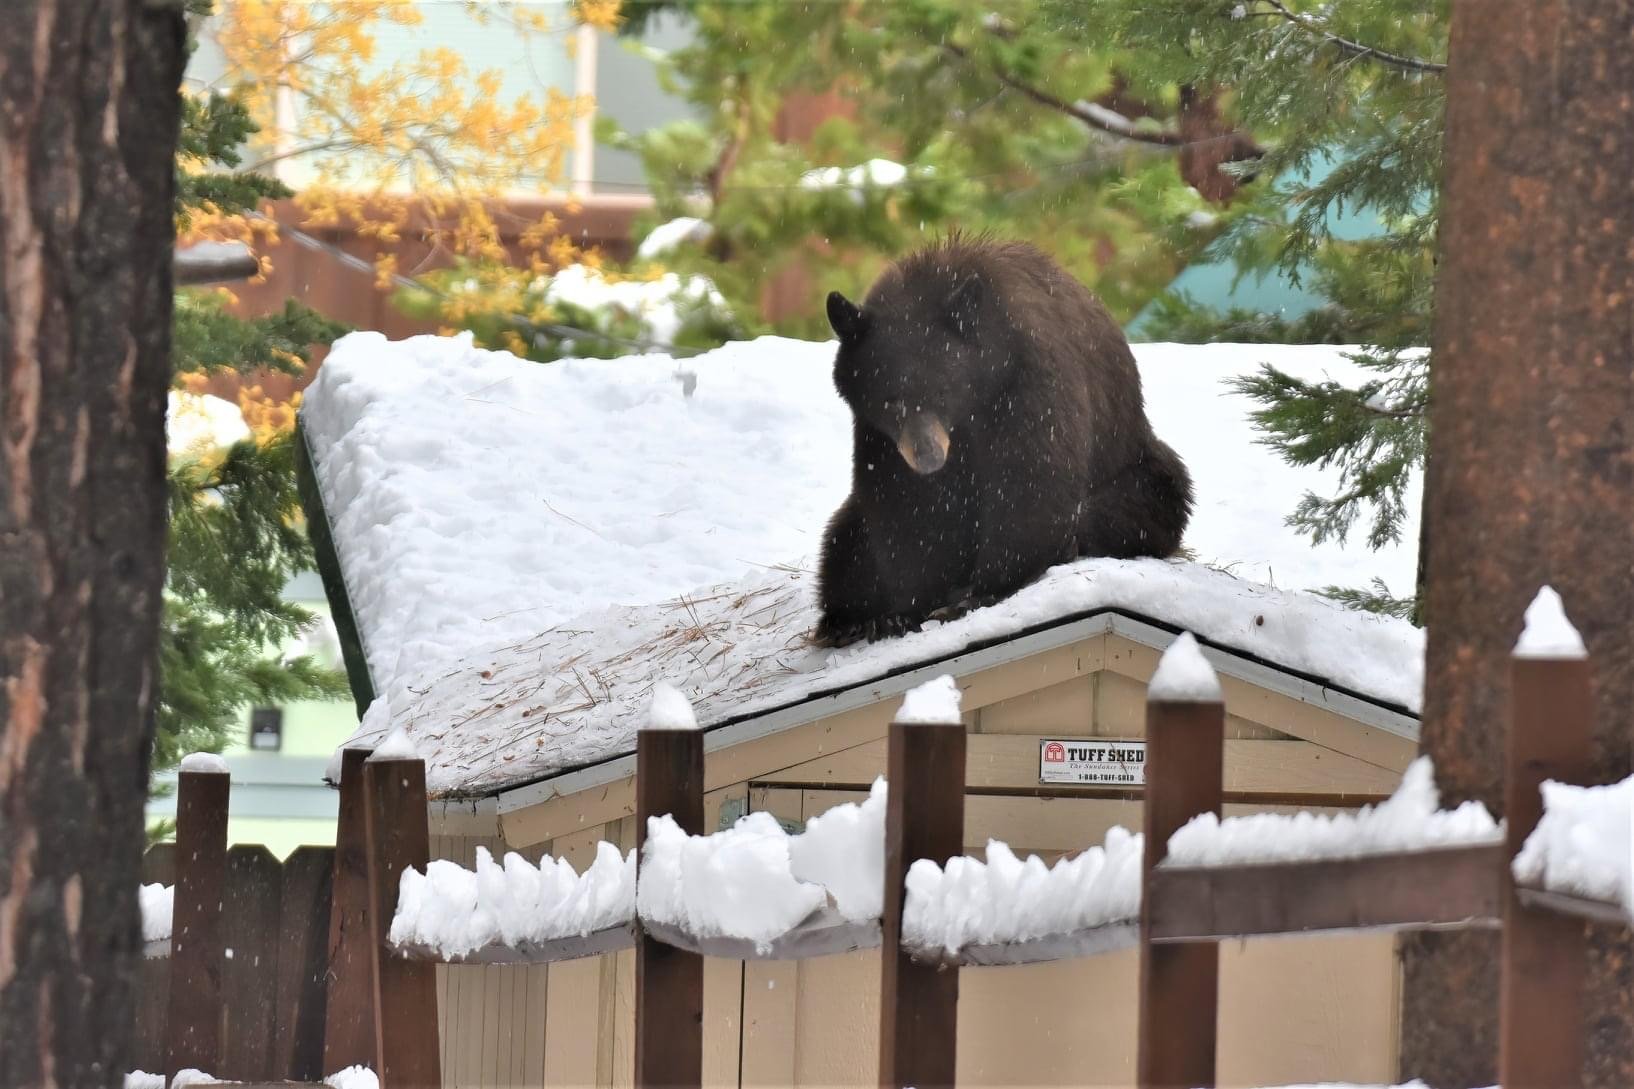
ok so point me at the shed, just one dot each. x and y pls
(517, 552)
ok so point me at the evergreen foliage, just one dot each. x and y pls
(1355, 84)
(235, 535)
(986, 119)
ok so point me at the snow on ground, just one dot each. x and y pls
(478, 501)
(158, 908)
(1183, 675)
(141, 1079)
(1584, 845)
(458, 911)
(1005, 899)
(1408, 820)
(935, 701)
(667, 236)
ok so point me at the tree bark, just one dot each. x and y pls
(1530, 478)
(89, 112)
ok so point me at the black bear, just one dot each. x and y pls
(998, 429)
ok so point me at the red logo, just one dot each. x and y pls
(1055, 753)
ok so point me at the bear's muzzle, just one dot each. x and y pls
(923, 443)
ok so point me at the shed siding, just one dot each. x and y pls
(1316, 1009)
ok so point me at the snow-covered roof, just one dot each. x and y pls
(527, 548)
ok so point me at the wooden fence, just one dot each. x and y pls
(246, 959)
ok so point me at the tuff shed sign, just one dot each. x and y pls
(1092, 760)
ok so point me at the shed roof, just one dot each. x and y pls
(522, 545)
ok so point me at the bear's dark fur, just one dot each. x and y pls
(998, 429)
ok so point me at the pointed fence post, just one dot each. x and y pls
(1544, 959)
(669, 997)
(924, 818)
(348, 1026)
(405, 991)
(1179, 983)
(194, 1021)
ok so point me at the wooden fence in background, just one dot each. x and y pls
(287, 971)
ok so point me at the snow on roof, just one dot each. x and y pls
(524, 545)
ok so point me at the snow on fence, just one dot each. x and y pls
(890, 870)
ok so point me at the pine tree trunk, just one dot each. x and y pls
(1531, 468)
(89, 113)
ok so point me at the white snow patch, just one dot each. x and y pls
(398, 745)
(1584, 845)
(656, 303)
(194, 1077)
(667, 236)
(1409, 820)
(1005, 899)
(936, 701)
(457, 911)
(1548, 633)
(616, 487)
(670, 709)
(353, 1077)
(875, 172)
(737, 883)
(1183, 675)
(207, 762)
(141, 1079)
(843, 850)
(199, 423)
(158, 908)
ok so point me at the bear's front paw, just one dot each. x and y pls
(970, 602)
(831, 634)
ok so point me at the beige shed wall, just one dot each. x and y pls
(1315, 1009)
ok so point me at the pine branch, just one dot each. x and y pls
(1356, 49)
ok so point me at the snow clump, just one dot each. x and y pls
(1183, 675)
(1548, 634)
(935, 702)
(1584, 845)
(207, 762)
(458, 911)
(1408, 820)
(1004, 899)
(158, 908)
(670, 709)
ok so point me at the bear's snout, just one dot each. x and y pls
(923, 443)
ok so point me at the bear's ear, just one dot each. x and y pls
(846, 316)
(961, 304)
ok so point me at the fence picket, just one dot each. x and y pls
(193, 1021)
(1179, 984)
(924, 818)
(669, 1004)
(1544, 953)
(405, 991)
(348, 1028)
